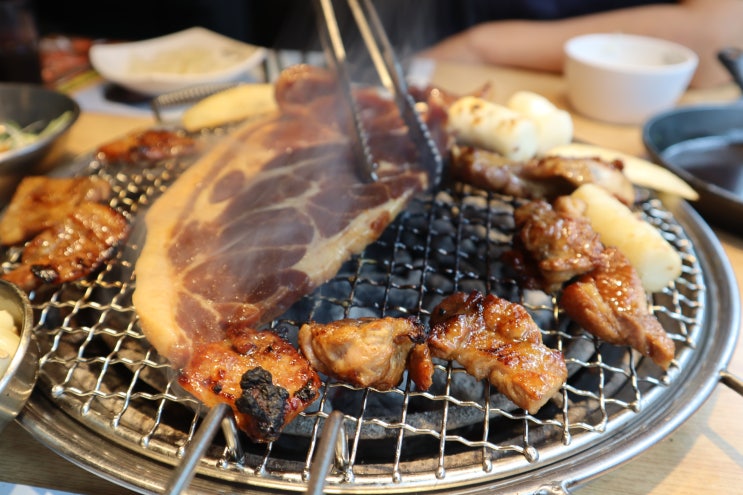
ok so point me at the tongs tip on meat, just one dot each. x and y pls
(391, 77)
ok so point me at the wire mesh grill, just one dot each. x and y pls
(97, 367)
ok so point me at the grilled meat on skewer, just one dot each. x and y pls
(497, 340)
(560, 244)
(259, 374)
(540, 178)
(368, 352)
(40, 202)
(72, 248)
(610, 303)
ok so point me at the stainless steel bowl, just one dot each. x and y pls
(19, 379)
(27, 104)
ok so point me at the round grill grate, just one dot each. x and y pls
(115, 391)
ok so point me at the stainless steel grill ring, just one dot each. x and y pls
(103, 390)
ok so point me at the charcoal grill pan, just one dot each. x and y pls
(114, 462)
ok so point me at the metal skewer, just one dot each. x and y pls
(186, 469)
(332, 441)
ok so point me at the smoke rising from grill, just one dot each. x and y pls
(411, 26)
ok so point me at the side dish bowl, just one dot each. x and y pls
(44, 113)
(175, 61)
(21, 363)
(624, 79)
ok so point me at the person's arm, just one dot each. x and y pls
(705, 26)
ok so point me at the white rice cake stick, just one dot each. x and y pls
(477, 122)
(655, 260)
(554, 125)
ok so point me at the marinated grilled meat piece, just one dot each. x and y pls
(561, 244)
(497, 340)
(259, 374)
(561, 175)
(420, 366)
(491, 171)
(263, 218)
(543, 178)
(368, 352)
(39, 202)
(147, 146)
(610, 303)
(72, 248)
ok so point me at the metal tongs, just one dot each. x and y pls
(391, 76)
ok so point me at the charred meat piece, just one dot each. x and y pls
(147, 147)
(561, 244)
(39, 202)
(72, 248)
(541, 178)
(368, 352)
(610, 303)
(259, 374)
(497, 340)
